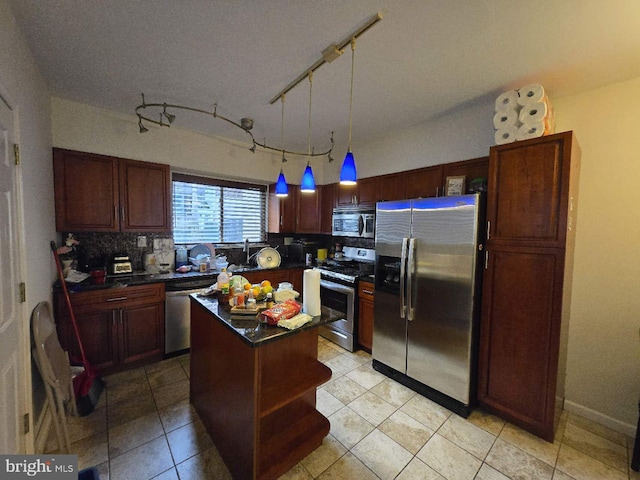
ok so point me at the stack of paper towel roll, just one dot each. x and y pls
(523, 114)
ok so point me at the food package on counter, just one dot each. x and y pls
(295, 322)
(281, 311)
(284, 295)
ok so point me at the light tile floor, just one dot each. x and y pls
(144, 428)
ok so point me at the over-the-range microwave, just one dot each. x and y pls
(353, 222)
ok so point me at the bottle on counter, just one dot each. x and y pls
(181, 256)
(223, 285)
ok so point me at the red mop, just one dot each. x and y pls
(87, 385)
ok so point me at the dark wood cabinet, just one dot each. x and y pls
(283, 210)
(365, 315)
(309, 214)
(424, 182)
(392, 187)
(328, 203)
(120, 328)
(532, 202)
(364, 193)
(470, 169)
(145, 197)
(99, 193)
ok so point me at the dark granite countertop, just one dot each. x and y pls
(252, 332)
(173, 278)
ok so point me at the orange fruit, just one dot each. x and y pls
(265, 283)
(247, 286)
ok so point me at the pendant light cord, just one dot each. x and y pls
(353, 50)
(282, 129)
(309, 130)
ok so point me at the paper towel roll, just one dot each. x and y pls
(311, 292)
(505, 118)
(507, 100)
(531, 93)
(530, 130)
(506, 135)
(534, 112)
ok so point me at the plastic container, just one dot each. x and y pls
(181, 257)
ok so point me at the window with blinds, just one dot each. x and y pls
(207, 210)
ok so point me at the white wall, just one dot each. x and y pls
(604, 346)
(81, 127)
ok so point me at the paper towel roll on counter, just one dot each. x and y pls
(506, 118)
(531, 93)
(507, 100)
(311, 292)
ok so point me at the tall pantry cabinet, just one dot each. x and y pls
(531, 213)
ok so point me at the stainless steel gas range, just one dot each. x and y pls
(338, 293)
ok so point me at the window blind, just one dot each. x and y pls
(207, 210)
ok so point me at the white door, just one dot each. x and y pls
(14, 343)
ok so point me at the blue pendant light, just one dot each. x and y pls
(308, 184)
(282, 189)
(348, 174)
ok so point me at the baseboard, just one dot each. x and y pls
(601, 418)
(42, 428)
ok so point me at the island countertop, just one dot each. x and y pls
(252, 332)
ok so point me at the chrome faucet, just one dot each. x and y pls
(246, 250)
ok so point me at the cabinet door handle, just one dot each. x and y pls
(488, 229)
(116, 299)
(486, 259)
(113, 318)
(368, 292)
(115, 213)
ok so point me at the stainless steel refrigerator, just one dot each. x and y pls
(427, 296)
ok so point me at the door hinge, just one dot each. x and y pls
(23, 292)
(26, 423)
(16, 154)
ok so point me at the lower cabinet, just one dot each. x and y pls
(119, 327)
(365, 315)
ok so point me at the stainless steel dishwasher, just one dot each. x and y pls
(177, 317)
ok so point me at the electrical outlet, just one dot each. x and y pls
(142, 241)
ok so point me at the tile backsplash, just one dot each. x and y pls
(100, 247)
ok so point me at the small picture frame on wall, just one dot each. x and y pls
(455, 186)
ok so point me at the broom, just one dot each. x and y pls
(87, 385)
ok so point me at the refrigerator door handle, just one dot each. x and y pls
(410, 274)
(403, 271)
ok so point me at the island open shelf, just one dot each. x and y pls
(255, 390)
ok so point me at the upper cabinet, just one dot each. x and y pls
(424, 182)
(283, 210)
(308, 219)
(363, 193)
(98, 193)
(392, 187)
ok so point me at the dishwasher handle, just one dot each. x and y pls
(182, 293)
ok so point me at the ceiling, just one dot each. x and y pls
(425, 59)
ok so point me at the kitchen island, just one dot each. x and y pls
(254, 387)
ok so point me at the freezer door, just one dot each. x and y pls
(439, 345)
(393, 226)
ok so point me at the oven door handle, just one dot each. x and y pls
(360, 225)
(336, 287)
(403, 271)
